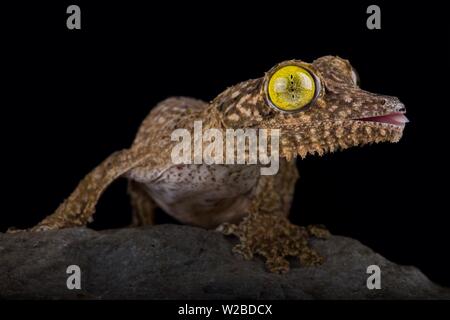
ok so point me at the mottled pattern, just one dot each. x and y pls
(327, 125)
(235, 198)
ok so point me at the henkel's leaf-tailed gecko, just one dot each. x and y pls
(318, 108)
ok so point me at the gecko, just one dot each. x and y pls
(318, 107)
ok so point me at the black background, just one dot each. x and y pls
(70, 98)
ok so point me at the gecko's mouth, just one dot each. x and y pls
(396, 118)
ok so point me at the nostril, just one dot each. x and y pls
(398, 105)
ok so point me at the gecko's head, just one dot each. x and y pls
(319, 107)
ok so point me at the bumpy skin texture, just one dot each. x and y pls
(235, 199)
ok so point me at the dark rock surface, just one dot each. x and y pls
(181, 262)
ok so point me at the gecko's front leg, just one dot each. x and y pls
(267, 231)
(275, 238)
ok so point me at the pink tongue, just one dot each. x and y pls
(395, 118)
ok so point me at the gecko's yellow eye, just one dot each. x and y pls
(291, 88)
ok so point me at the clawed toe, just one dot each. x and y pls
(38, 228)
(41, 228)
(226, 228)
(310, 258)
(277, 265)
(13, 230)
(244, 251)
(318, 231)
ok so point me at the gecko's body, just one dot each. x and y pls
(236, 199)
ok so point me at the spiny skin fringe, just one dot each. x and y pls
(288, 154)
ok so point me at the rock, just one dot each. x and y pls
(181, 262)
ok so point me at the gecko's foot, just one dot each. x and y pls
(45, 225)
(318, 231)
(275, 238)
(15, 230)
(38, 228)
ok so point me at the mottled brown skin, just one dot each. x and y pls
(236, 199)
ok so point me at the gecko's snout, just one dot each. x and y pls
(401, 108)
(393, 112)
(396, 105)
(396, 113)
